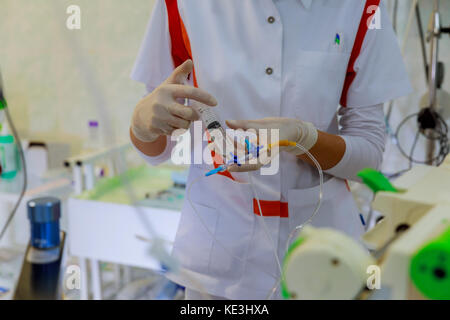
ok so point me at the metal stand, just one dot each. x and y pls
(435, 69)
(431, 124)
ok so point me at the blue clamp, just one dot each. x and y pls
(216, 170)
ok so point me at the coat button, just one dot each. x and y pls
(269, 71)
(271, 19)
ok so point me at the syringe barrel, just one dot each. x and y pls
(209, 118)
(211, 123)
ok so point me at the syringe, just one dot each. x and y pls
(213, 126)
(209, 118)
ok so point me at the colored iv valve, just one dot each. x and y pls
(252, 152)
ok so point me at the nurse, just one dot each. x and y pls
(318, 70)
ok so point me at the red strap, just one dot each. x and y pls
(347, 186)
(271, 208)
(218, 160)
(359, 40)
(181, 51)
(179, 38)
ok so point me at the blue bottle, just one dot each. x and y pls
(44, 214)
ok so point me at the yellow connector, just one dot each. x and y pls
(282, 143)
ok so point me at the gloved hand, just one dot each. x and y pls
(301, 132)
(160, 113)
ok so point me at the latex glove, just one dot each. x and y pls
(301, 132)
(160, 113)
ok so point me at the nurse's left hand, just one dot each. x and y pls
(301, 132)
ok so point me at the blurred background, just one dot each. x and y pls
(44, 84)
(67, 89)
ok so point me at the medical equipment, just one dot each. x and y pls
(434, 109)
(430, 267)
(108, 201)
(8, 156)
(252, 152)
(434, 128)
(8, 151)
(435, 71)
(410, 246)
(219, 140)
(93, 142)
(42, 281)
(4, 106)
(258, 150)
(208, 117)
(44, 215)
(324, 264)
(415, 217)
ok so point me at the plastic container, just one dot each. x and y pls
(93, 140)
(8, 157)
(44, 214)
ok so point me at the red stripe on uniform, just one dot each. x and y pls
(357, 46)
(271, 208)
(181, 50)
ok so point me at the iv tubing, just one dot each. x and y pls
(266, 230)
(308, 221)
(291, 234)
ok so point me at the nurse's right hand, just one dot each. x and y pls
(160, 113)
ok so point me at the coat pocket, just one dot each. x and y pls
(234, 227)
(195, 236)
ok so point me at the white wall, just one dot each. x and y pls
(45, 87)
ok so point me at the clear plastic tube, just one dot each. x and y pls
(266, 230)
(309, 220)
(291, 234)
(213, 126)
(210, 120)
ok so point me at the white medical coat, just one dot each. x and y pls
(244, 56)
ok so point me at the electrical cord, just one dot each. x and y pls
(439, 134)
(22, 159)
(411, 154)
